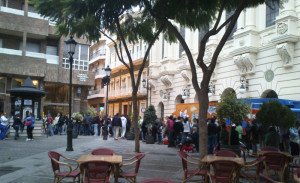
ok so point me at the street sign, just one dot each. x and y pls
(143, 109)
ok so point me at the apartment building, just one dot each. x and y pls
(261, 59)
(120, 88)
(97, 93)
(30, 47)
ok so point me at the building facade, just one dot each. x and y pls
(30, 47)
(262, 54)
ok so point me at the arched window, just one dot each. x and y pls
(228, 91)
(160, 110)
(179, 100)
(269, 94)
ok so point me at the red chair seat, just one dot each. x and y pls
(219, 179)
(72, 174)
(127, 174)
(192, 172)
(96, 181)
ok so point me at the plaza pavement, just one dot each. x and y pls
(28, 162)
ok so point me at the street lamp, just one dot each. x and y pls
(148, 88)
(211, 89)
(244, 85)
(71, 45)
(186, 93)
(106, 81)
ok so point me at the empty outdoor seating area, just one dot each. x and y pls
(270, 165)
(104, 165)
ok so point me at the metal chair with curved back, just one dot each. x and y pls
(102, 151)
(55, 161)
(224, 171)
(131, 176)
(296, 175)
(95, 171)
(267, 179)
(277, 162)
(257, 164)
(190, 173)
(226, 153)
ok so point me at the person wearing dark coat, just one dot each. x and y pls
(87, 123)
(234, 138)
(16, 125)
(178, 130)
(117, 124)
(212, 135)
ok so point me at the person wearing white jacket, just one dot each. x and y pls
(124, 122)
(3, 126)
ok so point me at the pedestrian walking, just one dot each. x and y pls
(16, 125)
(50, 122)
(124, 123)
(117, 123)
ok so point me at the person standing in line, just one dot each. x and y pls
(3, 125)
(55, 124)
(294, 141)
(124, 123)
(239, 129)
(16, 125)
(254, 137)
(128, 125)
(50, 122)
(96, 124)
(30, 120)
(211, 131)
(186, 130)
(117, 123)
(178, 129)
(64, 126)
(87, 122)
(60, 123)
(170, 131)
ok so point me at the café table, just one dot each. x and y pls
(261, 153)
(210, 158)
(116, 160)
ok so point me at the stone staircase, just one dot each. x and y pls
(37, 131)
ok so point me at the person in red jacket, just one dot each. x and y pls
(50, 122)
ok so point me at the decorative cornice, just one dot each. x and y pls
(285, 38)
(245, 63)
(286, 53)
(246, 49)
(167, 80)
(152, 83)
(187, 75)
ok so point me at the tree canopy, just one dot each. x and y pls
(274, 114)
(150, 115)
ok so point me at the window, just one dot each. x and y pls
(271, 12)
(33, 47)
(182, 33)
(80, 57)
(229, 14)
(51, 50)
(2, 84)
(16, 83)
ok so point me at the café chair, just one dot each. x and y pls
(277, 162)
(269, 148)
(267, 179)
(103, 151)
(131, 176)
(295, 164)
(190, 173)
(56, 163)
(95, 171)
(296, 175)
(247, 168)
(226, 153)
(223, 171)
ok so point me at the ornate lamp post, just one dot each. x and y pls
(148, 88)
(106, 81)
(71, 45)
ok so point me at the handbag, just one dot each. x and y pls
(28, 123)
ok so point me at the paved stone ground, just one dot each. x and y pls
(28, 162)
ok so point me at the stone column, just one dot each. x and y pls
(241, 20)
(250, 17)
(24, 44)
(288, 8)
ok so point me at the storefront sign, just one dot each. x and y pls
(82, 77)
(27, 102)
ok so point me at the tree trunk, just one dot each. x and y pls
(135, 122)
(203, 106)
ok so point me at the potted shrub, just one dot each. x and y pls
(149, 118)
(76, 117)
(235, 110)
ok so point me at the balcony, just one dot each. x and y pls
(99, 73)
(11, 10)
(11, 51)
(99, 54)
(96, 93)
(38, 16)
(35, 54)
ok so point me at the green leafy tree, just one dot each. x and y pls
(197, 14)
(274, 114)
(113, 19)
(233, 109)
(150, 115)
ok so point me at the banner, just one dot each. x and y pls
(191, 110)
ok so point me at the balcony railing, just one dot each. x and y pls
(11, 10)
(100, 73)
(52, 59)
(96, 93)
(98, 53)
(11, 51)
(35, 54)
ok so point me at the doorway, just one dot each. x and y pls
(125, 110)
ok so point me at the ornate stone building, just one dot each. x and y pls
(261, 59)
(30, 47)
